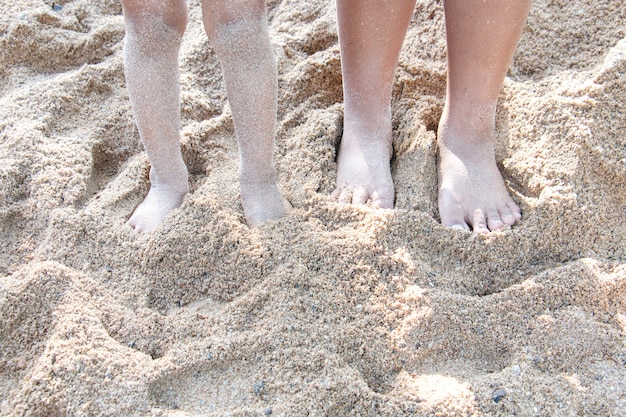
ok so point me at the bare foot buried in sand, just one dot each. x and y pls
(364, 171)
(262, 201)
(472, 193)
(162, 198)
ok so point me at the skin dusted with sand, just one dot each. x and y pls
(239, 34)
(153, 36)
(482, 36)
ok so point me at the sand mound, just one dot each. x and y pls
(333, 310)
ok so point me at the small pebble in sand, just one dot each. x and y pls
(498, 395)
(258, 387)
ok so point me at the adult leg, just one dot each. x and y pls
(371, 33)
(482, 36)
(154, 31)
(239, 33)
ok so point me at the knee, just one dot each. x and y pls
(221, 14)
(141, 16)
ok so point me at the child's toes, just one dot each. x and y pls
(360, 196)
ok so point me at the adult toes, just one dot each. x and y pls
(479, 222)
(451, 212)
(463, 227)
(383, 200)
(515, 210)
(507, 215)
(494, 221)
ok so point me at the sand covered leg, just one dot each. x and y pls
(153, 35)
(239, 33)
(482, 36)
(371, 33)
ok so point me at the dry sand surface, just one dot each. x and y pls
(334, 310)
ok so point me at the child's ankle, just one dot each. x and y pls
(257, 175)
(175, 179)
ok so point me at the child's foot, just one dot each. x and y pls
(364, 170)
(162, 198)
(262, 201)
(472, 194)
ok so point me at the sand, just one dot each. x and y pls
(333, 310)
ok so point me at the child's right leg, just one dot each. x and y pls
(238, 31)
(153, 34)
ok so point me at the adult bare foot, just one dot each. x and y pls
(472, 193)
(364, 170)
(262, 201)
(163, 197)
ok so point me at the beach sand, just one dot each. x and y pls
(333, 310)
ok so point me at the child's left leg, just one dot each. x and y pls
(239, 33)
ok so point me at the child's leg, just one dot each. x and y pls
(371, 33)
(239, 33)
(153, 35)
(482, 36)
